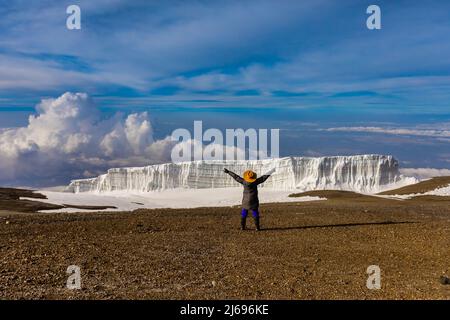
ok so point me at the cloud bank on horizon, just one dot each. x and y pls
(69, 138)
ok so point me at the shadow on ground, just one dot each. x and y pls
(339, 225)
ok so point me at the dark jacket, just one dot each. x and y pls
(250, 199)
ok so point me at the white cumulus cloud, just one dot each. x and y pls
(69, 138)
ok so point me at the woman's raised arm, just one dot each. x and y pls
(234, 176)
(264, 177)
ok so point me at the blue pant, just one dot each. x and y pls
(244, 213)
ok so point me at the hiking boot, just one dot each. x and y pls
(243, 220)
(257, 224)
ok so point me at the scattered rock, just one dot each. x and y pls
(445, 280)
(213, 283)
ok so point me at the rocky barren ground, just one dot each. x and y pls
(306, 250)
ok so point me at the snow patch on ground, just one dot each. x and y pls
(175, 198)
(444, 191)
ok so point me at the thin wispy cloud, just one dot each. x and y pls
(394, 131)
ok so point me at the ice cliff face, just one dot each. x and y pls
(362, 173)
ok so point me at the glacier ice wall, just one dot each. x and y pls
(361, 173)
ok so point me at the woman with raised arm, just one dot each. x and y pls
(250, 199)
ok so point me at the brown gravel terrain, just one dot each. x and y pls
(306, 250)
(10, 200)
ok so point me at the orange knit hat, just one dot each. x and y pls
(250, 176)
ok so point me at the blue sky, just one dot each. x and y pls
(307, 66)
(229, 53)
